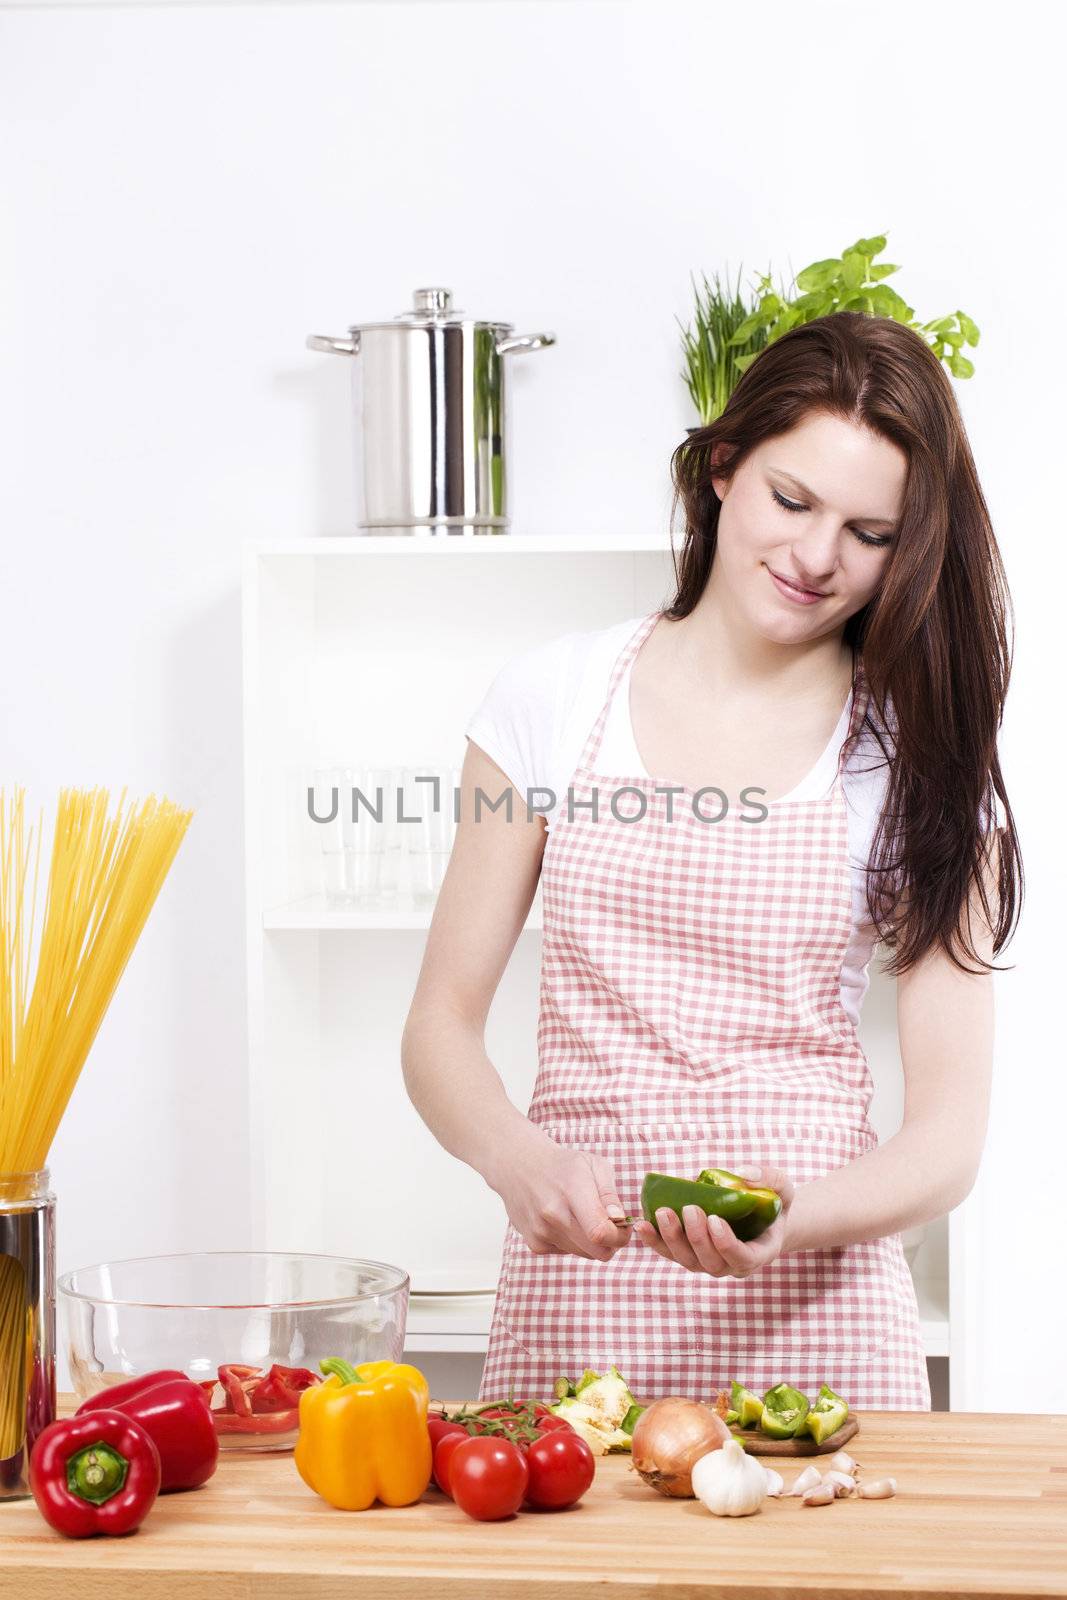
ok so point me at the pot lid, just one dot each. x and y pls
(431, 308)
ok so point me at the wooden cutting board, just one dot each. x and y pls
(758, 1443)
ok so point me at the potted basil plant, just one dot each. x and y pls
(729, 334)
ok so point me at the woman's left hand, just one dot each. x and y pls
(709, 1244)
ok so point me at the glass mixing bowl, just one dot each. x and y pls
(248, 1309)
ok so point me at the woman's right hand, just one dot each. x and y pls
(561, 1200)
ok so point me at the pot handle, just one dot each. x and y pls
(525, 341)
(333, 347)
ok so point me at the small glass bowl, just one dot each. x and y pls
(250, 1308)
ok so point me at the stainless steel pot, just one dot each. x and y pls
(433, 417)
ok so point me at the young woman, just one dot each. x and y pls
(750, 787)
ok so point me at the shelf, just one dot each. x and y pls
(457, 1325)
(493, 545)
(317, 914)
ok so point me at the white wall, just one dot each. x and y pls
(187, 190)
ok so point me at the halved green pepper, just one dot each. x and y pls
(748, 1211)
(784, 1411)
(768, 1202)
(826, 1415)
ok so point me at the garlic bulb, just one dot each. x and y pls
(729, 1482)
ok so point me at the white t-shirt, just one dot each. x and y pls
(539, 710)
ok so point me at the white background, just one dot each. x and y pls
(189, 189)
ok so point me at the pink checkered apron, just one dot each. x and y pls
(690, 1017)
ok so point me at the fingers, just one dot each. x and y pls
(553, 1231)
(703, 1244)
(647, 1234)
(706, 1236)
(571, 1214)
(604, 1178)
(739, 1259)
(690, 1243)
(592, 1193)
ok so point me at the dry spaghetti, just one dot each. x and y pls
(56, 982)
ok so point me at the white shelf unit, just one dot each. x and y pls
(374, 650)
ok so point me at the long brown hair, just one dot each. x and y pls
(934, 641)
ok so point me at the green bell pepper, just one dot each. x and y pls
(784, 1410)
(826, 1415)
(749, 1212)
(767, 1203)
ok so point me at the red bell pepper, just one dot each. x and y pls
(107, 1399)
(97, 1473)
(173, 1411)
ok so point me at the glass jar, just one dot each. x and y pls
(27, 1322)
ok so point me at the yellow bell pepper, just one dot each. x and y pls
(363, 1435)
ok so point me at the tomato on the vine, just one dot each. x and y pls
(561, 1468)
(516, 1422)
(442, 1457)
(488, 1477)
(550, 1424)
(439, 1426)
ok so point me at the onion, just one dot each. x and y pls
(670, 1437)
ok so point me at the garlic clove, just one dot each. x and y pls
(843, 1462)
(775, 1481)
(843, 1483)
(879, 1489)
(820, 1494)
(808, 1478)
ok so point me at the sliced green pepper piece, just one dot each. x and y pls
(748, 1406)
(767, 1202)
(731, 1417)
(562, 1388)
(784, 1409)
(629, 1421)
(826, 1415)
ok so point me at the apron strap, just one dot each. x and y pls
(629, 650)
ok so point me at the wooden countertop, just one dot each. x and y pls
(981, 1509)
